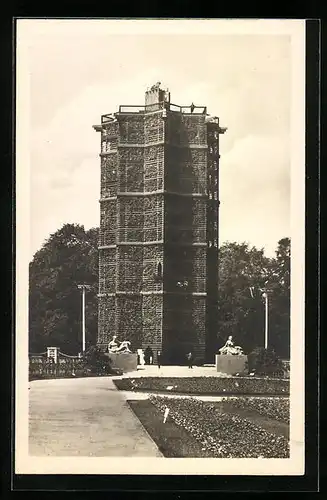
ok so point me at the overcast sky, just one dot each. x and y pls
(78, 74)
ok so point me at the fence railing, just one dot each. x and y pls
(40, 366)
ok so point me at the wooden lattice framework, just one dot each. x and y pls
(158, 242)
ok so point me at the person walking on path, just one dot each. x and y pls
(159, 359)
(190, 360)
(148, 355)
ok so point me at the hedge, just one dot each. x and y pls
(206, 385)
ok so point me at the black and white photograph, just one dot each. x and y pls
(160, 181)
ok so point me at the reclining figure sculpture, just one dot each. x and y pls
(113, 346)
(230, 348)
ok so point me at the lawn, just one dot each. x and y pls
(275, 409)
(223, 430)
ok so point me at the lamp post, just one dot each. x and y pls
(83, 287)
(266, 297)
(75, 241)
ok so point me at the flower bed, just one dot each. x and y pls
(278, 410)
(206, 385)
(224, 435)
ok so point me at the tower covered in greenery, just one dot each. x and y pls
(158, 243)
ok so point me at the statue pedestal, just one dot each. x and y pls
(125, 361)
(229, 364)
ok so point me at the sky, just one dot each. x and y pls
(76, 74)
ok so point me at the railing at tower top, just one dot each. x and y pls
(133, 108)
(107, 118)
(194, 110)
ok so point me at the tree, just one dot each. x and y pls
(244, 273)
(69, 257)
(279, 311)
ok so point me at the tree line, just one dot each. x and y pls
(69, 257)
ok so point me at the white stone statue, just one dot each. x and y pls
(113, 346)
(230, 348)
(124, 346)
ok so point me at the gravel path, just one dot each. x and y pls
(84, 417)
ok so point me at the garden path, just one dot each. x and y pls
(84, 417)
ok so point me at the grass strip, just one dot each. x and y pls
(172, 440)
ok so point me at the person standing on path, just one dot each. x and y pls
(148, 354)
(159, 359)
(190, 360)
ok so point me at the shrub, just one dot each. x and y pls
(265, 362)
(97, 361)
